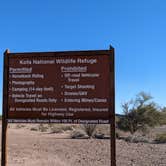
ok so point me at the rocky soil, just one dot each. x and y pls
(35, 148)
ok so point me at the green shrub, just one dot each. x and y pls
(161, 138)
(163, 116)
(139, 114)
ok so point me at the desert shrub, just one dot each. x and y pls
(136, 139)
(20, 126)
(163, 116)
(60, 128)
(67, 127)
(89, 129)
(42, 128)
(33, 129)
(139, 114)
(99, 135)
(161, 138)
(78, 134)
(102, 129)
(56, 130)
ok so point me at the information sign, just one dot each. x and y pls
(59, 87)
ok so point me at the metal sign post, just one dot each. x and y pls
(5, 110)
(112, 107)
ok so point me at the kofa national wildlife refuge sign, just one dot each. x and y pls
(59, 87)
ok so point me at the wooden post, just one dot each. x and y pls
(112, 107)
(5, 109)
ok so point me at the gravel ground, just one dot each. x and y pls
(33, 148)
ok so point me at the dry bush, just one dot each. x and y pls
(89, 129)
(76, 134)
(55, 128)
(33, 129)
(136, 139)
(161, 138)
(42, 128)
(103, 129)
(18, 126)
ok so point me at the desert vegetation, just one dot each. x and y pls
(140, 115)
(161, 138)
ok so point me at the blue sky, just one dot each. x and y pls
(136, 29)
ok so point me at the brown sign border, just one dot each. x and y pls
(110, 53)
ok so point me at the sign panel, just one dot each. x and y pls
(60, 87)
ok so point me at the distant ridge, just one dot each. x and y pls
(119, 115)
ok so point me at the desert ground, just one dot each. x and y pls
(28, 146)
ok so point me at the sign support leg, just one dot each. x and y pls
(5, 109)
(4, 142)
(113, 143)
(112, 107)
